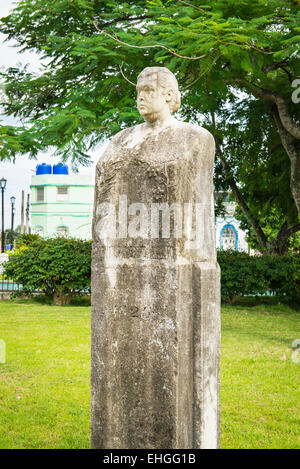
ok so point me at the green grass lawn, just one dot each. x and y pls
(44, 384)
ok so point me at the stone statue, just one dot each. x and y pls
(155, 281)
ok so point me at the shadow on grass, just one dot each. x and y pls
(254, 301)
(251, 336)
(79, 300)
(272, 323)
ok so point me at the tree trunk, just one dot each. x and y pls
(290, 146)
(279, 245)
(289, 131)
(292, 127)
(61, 298)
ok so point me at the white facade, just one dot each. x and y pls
(62, 205)
(228, 232)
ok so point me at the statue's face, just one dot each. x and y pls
(152, 100)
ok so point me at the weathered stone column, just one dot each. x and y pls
(155, 282)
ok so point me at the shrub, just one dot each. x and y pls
(242, 275)
(282, 275)
(58, 267)
(26, 239)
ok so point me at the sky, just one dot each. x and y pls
(18, 174)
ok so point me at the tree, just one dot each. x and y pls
(59, 267)
(282, 238)
(217, 48)
(251, 153)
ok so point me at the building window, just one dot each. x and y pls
(62, 193)
(62, 231)
(39, 230)
(228, 238)
(40, 194)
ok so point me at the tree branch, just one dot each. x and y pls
(279, 244)
(267, 95)
(192, 6)
(146, 47)
(127, 18)
(275, 66)
(294, 229)
(200, 75)
(125, 78)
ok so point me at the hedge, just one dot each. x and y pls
(62, 267)
(243, 275)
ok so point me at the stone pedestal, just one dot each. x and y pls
(155, 295)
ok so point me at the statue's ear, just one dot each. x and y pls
(169, 95)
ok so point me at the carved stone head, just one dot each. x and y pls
(157, 92)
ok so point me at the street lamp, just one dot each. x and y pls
(12, 201)
(2, 185)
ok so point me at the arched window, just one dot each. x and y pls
(62, 231)
(229, 238)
